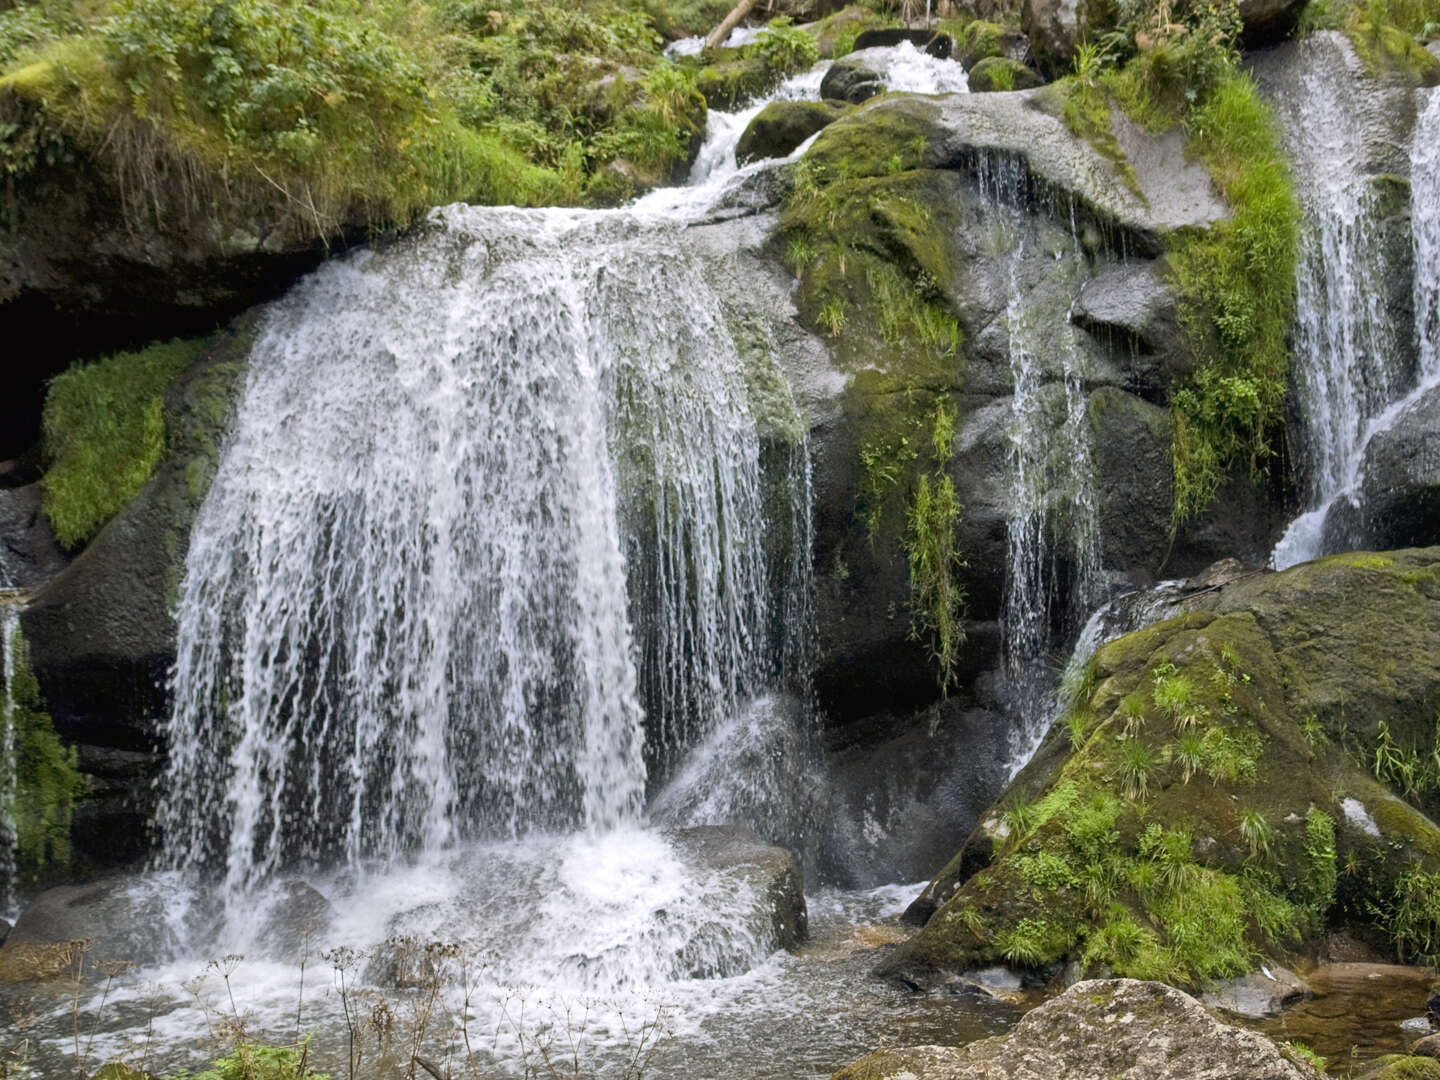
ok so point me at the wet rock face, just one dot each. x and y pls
(782, 126)
(1100, 1028)
(29, 555)
(771, 871)
(1400, 492)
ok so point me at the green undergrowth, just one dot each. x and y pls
(323, 115)
(1167, 67)
(1189, 826)
(104, 433)
(937, 598)
(257, 1061)
(47, 783)
(1385, 33)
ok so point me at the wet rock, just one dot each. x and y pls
(1055, 27)
(4, 930)
(782, 126)
(940, 46)
(294, 915)
(1267, 992)
(111, 923)
(851, 80)
(29, 555)
(1131, 454)
(1400, 492)
(771, 871)
(1133, 307)
(1429, 1046)
(1268, 21)
(39, 963)
(1000, 73)
(1100, 1028)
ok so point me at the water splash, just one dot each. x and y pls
(405, 616)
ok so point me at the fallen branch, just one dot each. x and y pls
(720, 33)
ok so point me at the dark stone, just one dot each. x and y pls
(850, 80)
(29, 555)
(1133, 480)
(1400, 492)
(120, 922)
(940, 46)
(783, 125)
(1000, 73)
(1132, 308)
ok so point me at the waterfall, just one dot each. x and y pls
(1351, 354)
(493, 508)
(1425, 231)
(1052, 527)
(9, 648)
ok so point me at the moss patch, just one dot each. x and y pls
(47, 781)
(104, 432)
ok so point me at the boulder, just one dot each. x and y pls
(1268, 21)
(1400, 491)
(96, 928)
(1130, 440)
(1210, 744)
(1056, 27)
(1100, 1028)
(851, 80)
(101, 634)
(940, 46)
(771, 871)
(782, 126)
(1000, 73)
(1402, 1067)
(1133, 307)
(1260, 994)
(292, 916)
(29, 555)
(1429, 1046)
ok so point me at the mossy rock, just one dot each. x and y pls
(1185, 820)
(1000, 73)
(783, 125)
(729, 83)
(1403, 1067)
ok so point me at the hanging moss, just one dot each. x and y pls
(47, 780)
(937, 598)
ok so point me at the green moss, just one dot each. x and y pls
(104, 433)
(1384, 35)
(47, 781)
(1400, 1067)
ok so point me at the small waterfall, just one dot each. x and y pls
(494, 497)
(1425, 230)
(1052, 531)
(9, 648)
(1351, 355)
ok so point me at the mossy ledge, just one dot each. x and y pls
(1198, 810)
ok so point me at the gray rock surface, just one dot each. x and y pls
(29, 556)
(1134, 307)
(1400, 492)
(1098, 1030)
(1267, 992)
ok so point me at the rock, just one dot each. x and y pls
(902, 790)
(782, 126)
(1429, 1047)
(1000, 73)
(1401, 1067)
(29, 555)
(1055, 27)
(771, 871)
(1400, 489)
(294, 914)
(1131, 454)
(850, 80)
(101, 634)
(1100, 1028)
(729, 83)
(1268, 21)
(1134, 306)
(940, 46)
(5, 925)
(1277, 667)
(112, 924)
(1267, 992)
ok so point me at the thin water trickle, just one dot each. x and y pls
(9, 645)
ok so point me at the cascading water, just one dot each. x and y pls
(1352, 359)
(405, 618)
(1053, 516)
(1425, 230)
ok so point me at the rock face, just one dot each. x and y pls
(1259, 994)
(1227, 727)
(851, 80)
(1100, 1029)
(29, 555)
(101, 634)
(782, 126)
(1400, 489)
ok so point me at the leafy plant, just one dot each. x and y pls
(783, 46)
(1136, 768)
(1256, 832)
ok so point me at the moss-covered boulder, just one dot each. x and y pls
(782, 126)
(1226, 786)
(851, 80)
(1100, 1028)
(1000, 73)
(101, 635)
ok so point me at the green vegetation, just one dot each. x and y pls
(47, 782)
(1384, 34)
(104, 434)
(313, 116)
(937, 599)
(256, 1061)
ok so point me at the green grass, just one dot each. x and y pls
(104, 433)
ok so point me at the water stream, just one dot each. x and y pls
(1353, 358)
(9, 645)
